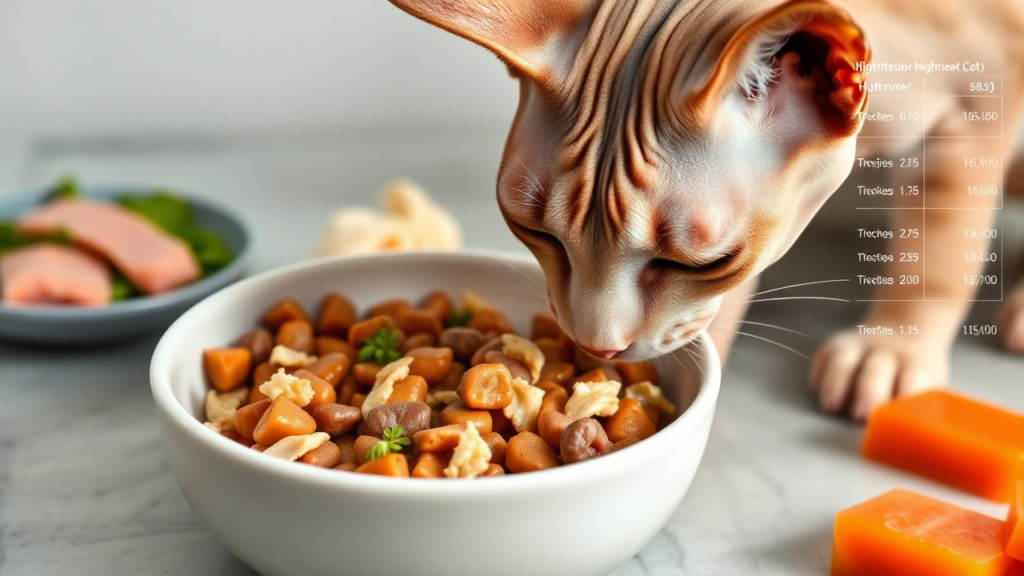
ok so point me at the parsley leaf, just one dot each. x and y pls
(382, 348)
(460, 319)
(392, 442)
(11, 239)
(67, 187)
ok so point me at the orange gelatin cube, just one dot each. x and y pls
(1015, 524)
(903, 533)
(952, 439)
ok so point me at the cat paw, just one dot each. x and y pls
(1011, 321)
(854, 373)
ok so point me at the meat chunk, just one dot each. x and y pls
(154, 261)
(51, 274)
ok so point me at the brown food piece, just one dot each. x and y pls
(347, 389)
(413, 416)
(500, 423)
(491, 320)
(297, 335)
(414, 321)
(346, 467)
(337, 315)
(346, 450)
(430, 466)
(412, 388)
(421, 340)
(323, 392)
(582, 440)
(554, 350)
(247, 417)
(326, 455)
(514, 366)
(259, 342)
(463, 342)
(286, 310)
(453, 379)
(437, 303)
(498, 446)
(232, 435)
(559, 372)
(259, 447)
(493, 470)
(545, 326)
(227, 368)
(625, 443)
(491, 344)
(486, 387)
(260, 375)
(390, 465)
(283, 419)
(359, 333)
(653, 415)
(336, 419)
(330, 345)
(389, 308)
(528, 452)
(438, 440)
(551, 425)
(358, 399)
(365, 373)
(433, 364)
(629, 420)
(585, 362)
(554, 399)
(331, 367)
(458, 413)
(633, 372)
(362, 445)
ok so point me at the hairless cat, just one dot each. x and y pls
(666, 151)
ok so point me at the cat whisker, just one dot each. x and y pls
(762, 338)
(778, 328)
(828, 298)
(750, 296)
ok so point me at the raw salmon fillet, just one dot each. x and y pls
(152, 259)
(50, 274)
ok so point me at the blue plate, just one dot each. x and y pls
(69, 326)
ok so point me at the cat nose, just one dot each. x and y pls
(598, 353)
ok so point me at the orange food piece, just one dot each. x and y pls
(331, 367)
(950, 438)
(412, 388)
(486, 386)
(330, 345)
(297, 335)
(323, 392)
(390, 465)
(152, 259)
(633, 372)
(1014, 530)
(337, 315)
(629, 420)
(286, 310)
(438, 440)
(528, 452)
(438, 303)
(902, 532)
(430, 466)
(47, 274)
(390, 308)
(248, 417)
(227, 368)
(283, 419)
(491, 320)
(358, 334)
(554, 350)
(412, 321)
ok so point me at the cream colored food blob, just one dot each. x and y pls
(471, 457)
(385, 383)
(410, 221)
(221, 408)
(472, 302)
(285, 356)
(525, 351)
(525, 407)
(297, 390)
(593, 399)
(650, 396)
(292, 448)
(435, 399)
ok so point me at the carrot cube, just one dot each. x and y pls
(952, 439)
(904, 533)
(1015, 524)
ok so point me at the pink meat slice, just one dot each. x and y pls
(152, 259)
(51, 274)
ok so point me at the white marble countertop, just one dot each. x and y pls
(85, 487)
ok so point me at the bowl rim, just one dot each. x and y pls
(596, 470)
(193, 291)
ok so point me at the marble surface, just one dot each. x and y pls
(85, 487)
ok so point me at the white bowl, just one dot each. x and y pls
(283, 518)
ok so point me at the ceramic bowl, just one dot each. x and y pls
(284, 518)
(69, 326)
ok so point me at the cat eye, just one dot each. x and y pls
(717, 265)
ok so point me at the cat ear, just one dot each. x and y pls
(520, 32)
(803, 52)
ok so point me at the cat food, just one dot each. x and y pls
(433, 390)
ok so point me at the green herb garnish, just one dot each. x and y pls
(11, 239)
(460, 319)
(121, 288)
(67, 187)
(392, 442)
(381, 349)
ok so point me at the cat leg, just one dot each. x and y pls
(1011, 314)
(723, 328)
(857, 370)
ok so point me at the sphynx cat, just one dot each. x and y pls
(665, 152)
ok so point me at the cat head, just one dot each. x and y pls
(664, 151)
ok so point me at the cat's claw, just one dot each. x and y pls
(855, 373)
